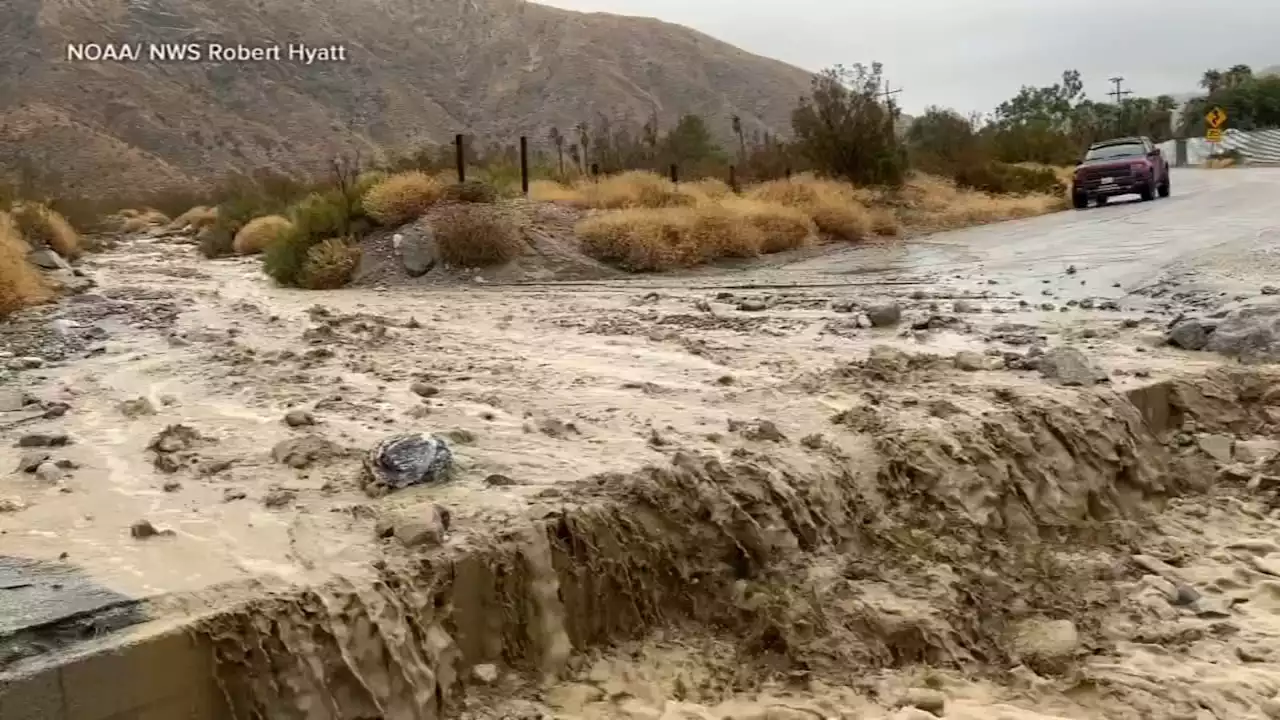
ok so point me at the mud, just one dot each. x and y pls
(723, 495)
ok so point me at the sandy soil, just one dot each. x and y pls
(756, 504)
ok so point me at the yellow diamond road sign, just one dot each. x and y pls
(1216, 118)
(1213, 135)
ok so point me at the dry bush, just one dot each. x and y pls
(632, 189)
(471, 191)
(782, 228)
(935, 203)
(197, 218)
(20, 283)
(476, 236)
(646, 239)
(836, 208)
(254, 237)
(44, 227)
(842, 219)
(402, 197)
(1219, 163)
(707, 189)
(884, 222)
(551, 191)
(329, 264)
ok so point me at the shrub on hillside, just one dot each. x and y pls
(44, 227)
(329, 264)
(215, 241)
(471, 191)
(20, 283)
(255, 236)
(402, 198)
(476, 237)
(845, 131)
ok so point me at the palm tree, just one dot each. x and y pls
(558, 140)
(584, 140)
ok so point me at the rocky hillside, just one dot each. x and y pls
(416, 71)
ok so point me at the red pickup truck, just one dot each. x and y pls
(1123, 166)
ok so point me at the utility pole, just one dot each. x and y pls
(1118, 94)
(888, 94)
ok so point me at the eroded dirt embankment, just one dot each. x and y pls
(988, 531)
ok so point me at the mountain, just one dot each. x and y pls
(415, 71)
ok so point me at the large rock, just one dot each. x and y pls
(1046, 646)
(1250, 333)
(408, 459)
(1189, 335)
(1070, 367)
(47, 259)
(417, 249)
(885, 315)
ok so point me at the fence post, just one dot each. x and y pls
(733, 179)
(595, 171)
(460, 157)
(788, 173)
(524, 165)
(675, 173)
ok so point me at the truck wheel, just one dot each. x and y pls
(1164, 187)
(1079, 201)
(1149, 192)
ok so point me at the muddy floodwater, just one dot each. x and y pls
(966, 475)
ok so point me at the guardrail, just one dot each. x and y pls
(1256, 147)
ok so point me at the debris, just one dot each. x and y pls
(1188, 335)
(50, 473)
(1070, 367)
(55, 439)
(302, 452)
(137, 407)
(299, 418)
(884, 315)
(422, 389)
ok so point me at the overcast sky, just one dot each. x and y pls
(972, 54)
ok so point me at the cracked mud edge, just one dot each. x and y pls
(1026, 504)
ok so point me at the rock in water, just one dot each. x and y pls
(1250, 333)
(1189, 335)
(885, 315)
(1070, 367)
(407, 459)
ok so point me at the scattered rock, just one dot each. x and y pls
(1250, 333)
(418, 250)
(558, 429)
(47, 259)
(174, 438)
(278, 497)
(233, 494)
(299, 418)
(970, 361)
(171, 486)
(814, 441)
(925, 699)
(302, 452)
(1270, 290)
(25, 363)
(426, 526)
(1046, 646)
(143, 529)
(12, 400)
(422, 389)
(209, 468)
(11, 505)
(1070, 367)
(50, 473)
(1188, 335)
(137, 407)
(407, 459)
(753, 305)
(29, 461)
(884, 315)
(499, 480)
(1218, 447)
(485, 673)
(964, 306)
(55, 439)
(757, 430)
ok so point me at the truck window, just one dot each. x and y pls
(1133, 149)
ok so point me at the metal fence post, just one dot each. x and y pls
(675, 173)
(733, 179)
(460, 158)
(524, 165)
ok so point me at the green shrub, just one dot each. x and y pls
(318, 217)
(1004, 179)
(329, 264)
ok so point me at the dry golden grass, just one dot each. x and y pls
(403, 197)
(476, 236)
(782, 228)
(647, 239)
(258, 233)
(1220, 163)
(839, 210)
(20, 283)
(934, 203)
(632, 189)
(329, 264)
(42, 226)
(197, 218)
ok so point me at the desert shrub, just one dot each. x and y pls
(402, 197)
(937, 203)
(552, 191)
(707, 189)
(1005, 179)
(215, 241)
(781, 227)
(476, 237)
(471, 191)
(843, 220)
(254, 237)
(20, 283)
(198, 218)
(44, 227)
(329, 264)
(648, 239)
(633, 189)
(884, 222)
(317, 217)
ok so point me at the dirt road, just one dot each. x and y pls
(543, 390)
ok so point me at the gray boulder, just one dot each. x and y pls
(1189, 335)
(417, 249)
(1070, 367)
(405, 460)
(1250, 333)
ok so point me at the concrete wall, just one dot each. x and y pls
(165, 677)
